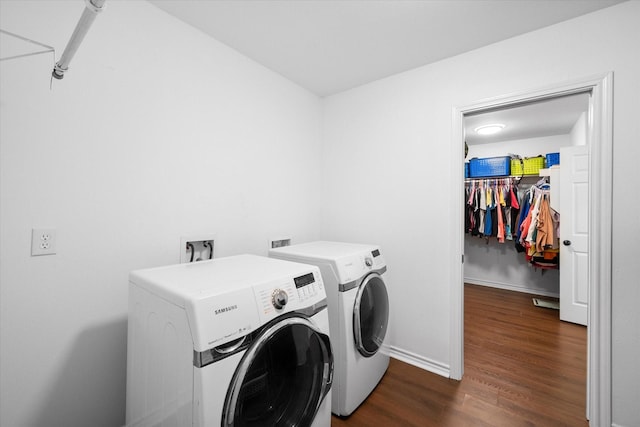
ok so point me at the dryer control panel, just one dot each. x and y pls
(356, 266)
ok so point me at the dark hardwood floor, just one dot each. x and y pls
(523, 367)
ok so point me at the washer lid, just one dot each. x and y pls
(227, 298)
(200, 280)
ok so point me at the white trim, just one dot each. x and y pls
(510, 287)
(600, 252)
(419, 361)
(600, 234)
(456, 336)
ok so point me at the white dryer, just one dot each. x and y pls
(358, 314)
(234, 342)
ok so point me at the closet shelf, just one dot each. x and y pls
(482, 178)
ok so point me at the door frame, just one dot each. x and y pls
(600, 142)
(357, 326)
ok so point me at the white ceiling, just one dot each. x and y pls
(329, 46)
(550, 117)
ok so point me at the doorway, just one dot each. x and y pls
(508, 277)
(599, 136)
(530, 135)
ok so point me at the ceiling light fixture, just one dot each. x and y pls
(489, 129)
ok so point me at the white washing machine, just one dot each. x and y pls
(234, 342)
(358, 314)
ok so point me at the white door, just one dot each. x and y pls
(574, 234)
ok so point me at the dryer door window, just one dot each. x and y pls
(283, 377)
(370, 315)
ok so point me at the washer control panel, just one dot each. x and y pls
(279, 299)
(290, 294)
(307, 287)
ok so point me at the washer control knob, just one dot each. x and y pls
(368, 262)
(279, 299)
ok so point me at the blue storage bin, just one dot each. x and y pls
(490, 166)
(553, 159)
(466, 170)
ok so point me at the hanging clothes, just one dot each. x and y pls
(500, 225)
(525, 207)
(489, 208)
(542, 240)
(482, 203)
(497, 208)
(533, 226)
(545, 237)
(488, 219)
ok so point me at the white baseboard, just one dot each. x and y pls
(419, 361)
(510, 287)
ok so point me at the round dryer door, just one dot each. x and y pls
(282, 378)
(370, 315)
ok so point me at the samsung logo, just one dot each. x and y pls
(225, 309)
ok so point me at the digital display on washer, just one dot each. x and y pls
(304, 280)
(375, 253)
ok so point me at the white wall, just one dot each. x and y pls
(156, 131)
(499, 264)
(386, 158)
(579, 131)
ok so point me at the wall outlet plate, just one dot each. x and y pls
(43, 241)
(199, 247)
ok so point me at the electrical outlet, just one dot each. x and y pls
(43, 241)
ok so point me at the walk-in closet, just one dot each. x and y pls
(526, 200)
